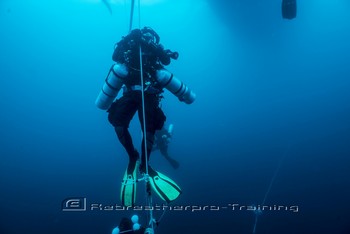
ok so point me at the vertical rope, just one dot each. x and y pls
(270, 185)
(131, 14)
(149, 197)
(255, 223)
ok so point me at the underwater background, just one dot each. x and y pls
(270, 126)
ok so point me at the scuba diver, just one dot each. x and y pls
(161, 142)
(289, 9)
(126, 74)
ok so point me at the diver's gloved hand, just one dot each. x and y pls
(162, 55)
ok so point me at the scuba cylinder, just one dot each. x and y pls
(171, 129)
(175, 86)
(112, 85)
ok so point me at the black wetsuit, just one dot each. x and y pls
(123, 110)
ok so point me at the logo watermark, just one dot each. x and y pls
(80, 204)
(74, 204)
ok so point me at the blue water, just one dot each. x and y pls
(270, 125)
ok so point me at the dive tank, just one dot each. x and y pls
(171, 129)
(112, 85)
(175, 86)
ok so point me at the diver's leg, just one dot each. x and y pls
(150, 141)
(120, 115)
(155, 119)
(126, 140)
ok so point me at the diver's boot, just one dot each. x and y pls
(142, 168)
(133, 160)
